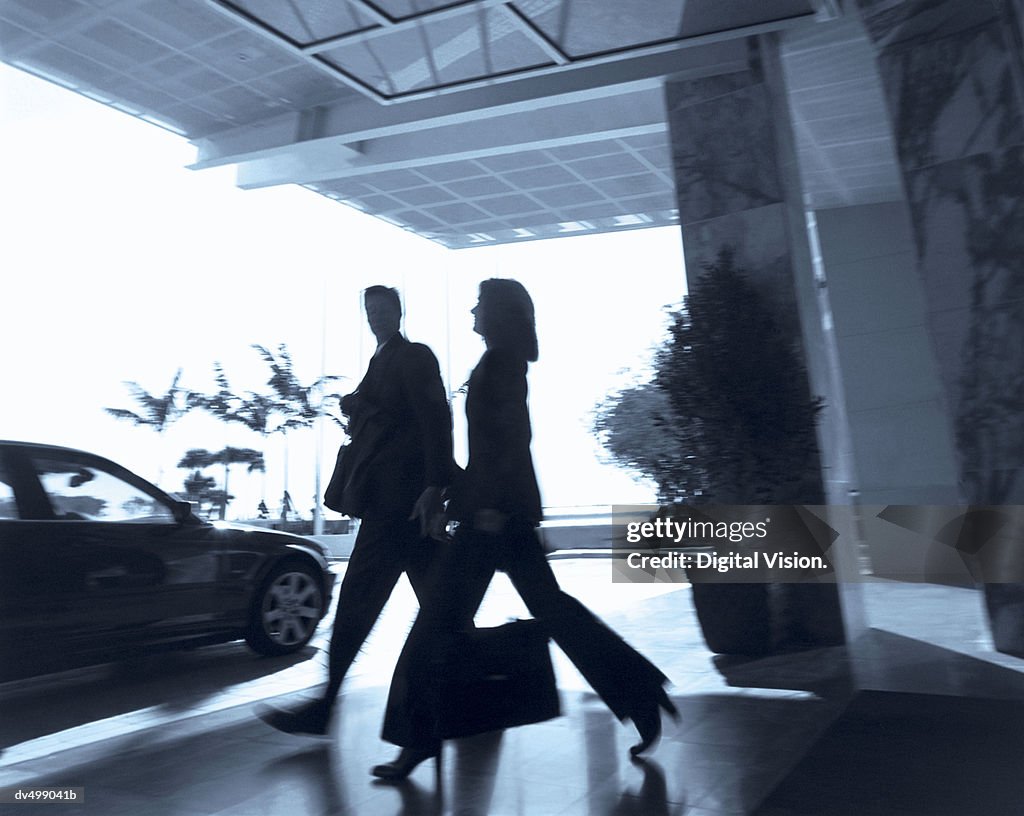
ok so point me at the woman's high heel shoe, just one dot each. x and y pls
(406, 762)
(648, 720)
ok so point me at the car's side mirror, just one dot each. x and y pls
(182, 511)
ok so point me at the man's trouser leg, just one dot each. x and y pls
(376, 562)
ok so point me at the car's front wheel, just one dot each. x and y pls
(286, 610)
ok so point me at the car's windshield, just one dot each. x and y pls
(79, 491)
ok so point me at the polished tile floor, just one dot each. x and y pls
(180, 747)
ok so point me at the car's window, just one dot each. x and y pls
(80, 491)
(8, 506)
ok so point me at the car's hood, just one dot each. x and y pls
(269, 535)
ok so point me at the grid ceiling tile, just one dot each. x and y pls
(508, 47)
(507, 204)
(477, 43)
(406, 8)
(632, 185)
(393, 64)
(607, 166)
(584, 150)
(479, 187)
(568, 195)
(78, 70)
(450, 171)
(456, 213)
(342, 188)
(301, 86)
(420, 221)
(309, 21)
(381, 203)
(35, 13)
(659, 157)
(597, 26)
(539, 177)
(14, 39)
(190, 119)
(649, 203)
(203, 82)
(118, 46)
(515, 161)
(533, 219)
(391, 180)
(608, 209)
(455, 48)
(241, 103)
(178, 23)
(243, 55)
(419, 196)
(647, 140)
(143, 97)
(168, 70)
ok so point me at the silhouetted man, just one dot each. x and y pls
(402, 410)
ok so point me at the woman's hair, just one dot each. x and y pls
(508, 318)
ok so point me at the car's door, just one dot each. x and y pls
(32, 611)
(126, 571)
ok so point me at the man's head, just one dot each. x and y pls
(383, 311)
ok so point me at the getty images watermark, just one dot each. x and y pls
(803, 543)
(735, 543)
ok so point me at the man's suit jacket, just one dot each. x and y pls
(403, 387)
(499, 474)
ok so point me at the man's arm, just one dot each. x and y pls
(421, 381)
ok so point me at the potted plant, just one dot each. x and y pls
(728, 420)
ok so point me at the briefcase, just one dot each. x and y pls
(498, 678)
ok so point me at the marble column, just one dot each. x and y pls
(738, 186)
(954, 82)
(728, 181)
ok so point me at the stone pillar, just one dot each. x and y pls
(738, 186)
(954, 82)
(728, 177)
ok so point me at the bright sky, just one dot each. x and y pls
(121, 264)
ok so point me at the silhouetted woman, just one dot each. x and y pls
(498, 508)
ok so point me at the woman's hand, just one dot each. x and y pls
(429, 511)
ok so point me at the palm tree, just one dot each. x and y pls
(199, 458)
(300, 405)
(156, 411)
(255, 411)
(202, 490)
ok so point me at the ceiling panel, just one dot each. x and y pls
(306, 22)
(261, 77)
(584, 27)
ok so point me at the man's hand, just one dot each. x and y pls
(487, 520)
(429, 511)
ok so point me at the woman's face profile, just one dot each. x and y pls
(479, 313)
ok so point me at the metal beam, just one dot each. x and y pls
(530, 29)
(591, 120)
(405, 23)
(358, 120)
